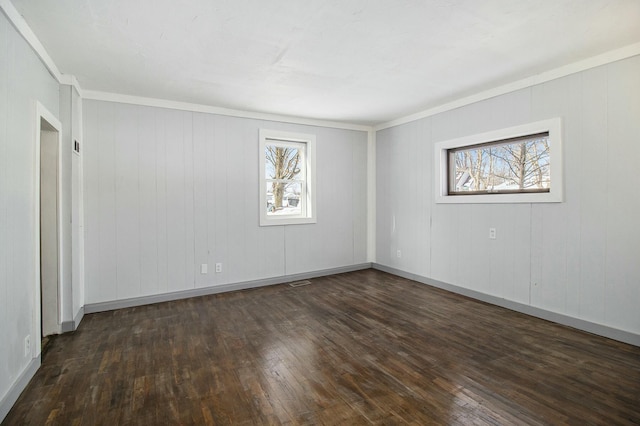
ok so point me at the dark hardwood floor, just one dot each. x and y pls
(358, 348)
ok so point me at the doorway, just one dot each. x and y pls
(48, 252)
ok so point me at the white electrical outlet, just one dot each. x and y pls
(218, 268)
(27, 346)
(492, 233)
(204, 268)
(398, 253)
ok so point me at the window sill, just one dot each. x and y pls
(541, 197)
(278, 221)
(555, 195)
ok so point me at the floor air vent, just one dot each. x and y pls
(299, 283)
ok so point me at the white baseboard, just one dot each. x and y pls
(78, 318)
(16, 389)
(167, 297)
(68, 326)
(612, 333)
(580, 324)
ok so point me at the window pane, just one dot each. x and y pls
(284, 198)
(519, 165)
(287, 163)
(283, 161)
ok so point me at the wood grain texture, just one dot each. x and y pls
(576, 258)
(364, 347)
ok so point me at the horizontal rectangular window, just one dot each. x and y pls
(508, 166)
(520, 164)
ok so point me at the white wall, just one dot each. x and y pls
(70, 176)
(168, 190)
(579, 258)
(65, 183)
(23, 80)
(77, 211)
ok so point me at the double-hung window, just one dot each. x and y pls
(287, 180)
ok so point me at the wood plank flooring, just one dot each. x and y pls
(359, 348)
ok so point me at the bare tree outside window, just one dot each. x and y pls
(283, 168)
(287, 178)
(507, 166)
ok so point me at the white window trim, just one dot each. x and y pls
(309, 215)
(555, 195)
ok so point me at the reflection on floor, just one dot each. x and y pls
(363, 347)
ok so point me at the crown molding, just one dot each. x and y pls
(29, 36)
(23, 28)
(573, 68)
(25, 31)
(70, 80)
(186, 106)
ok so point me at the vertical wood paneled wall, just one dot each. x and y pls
(71, 202)
(166, 191)
(579, 258)
(23, 81)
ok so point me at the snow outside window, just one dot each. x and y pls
(520, 164)
(509, 166)
(287, 191)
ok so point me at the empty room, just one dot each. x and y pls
(319, 212)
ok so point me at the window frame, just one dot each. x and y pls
(308, 192)
(442, 165)
(451, 152)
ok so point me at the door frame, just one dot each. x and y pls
(42, 113)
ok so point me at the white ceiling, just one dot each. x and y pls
(356, 61)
